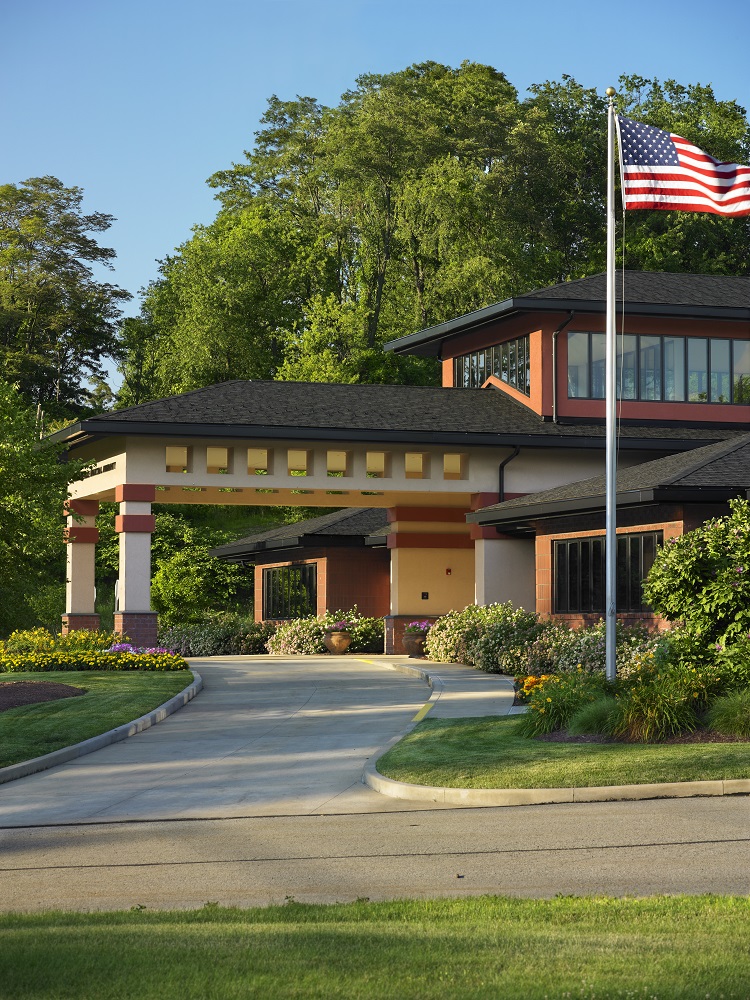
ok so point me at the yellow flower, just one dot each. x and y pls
(549, 699)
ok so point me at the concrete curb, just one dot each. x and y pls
(104, 739)
(528, 796)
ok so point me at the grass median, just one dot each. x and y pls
(490, 753)
(483, 947)
(111, 699)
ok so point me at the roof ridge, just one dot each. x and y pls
(719, 449)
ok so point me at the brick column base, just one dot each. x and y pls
(73, 621)
(139, 626)
(394, 631)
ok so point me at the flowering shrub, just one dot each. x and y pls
(454, 637)
(233, 635)
(304, 636)
(527, 684)
(510, 631)
(89, 660)
(342, 626)
(40, 639)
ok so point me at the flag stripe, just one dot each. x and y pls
(661, 170)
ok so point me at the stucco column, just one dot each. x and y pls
(135, 524)
(504, 569)
(81, 536)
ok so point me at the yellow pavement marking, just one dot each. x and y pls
(423, 711)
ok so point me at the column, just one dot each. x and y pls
(432, 567)
(81, 536)
(135, 524)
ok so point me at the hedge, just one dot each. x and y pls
(89, 660)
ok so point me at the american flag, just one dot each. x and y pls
(664, 171)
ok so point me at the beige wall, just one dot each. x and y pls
(417, 571)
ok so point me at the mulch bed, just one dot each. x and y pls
(13, 694)
(699, 736)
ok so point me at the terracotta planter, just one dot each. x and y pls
(414, 645)
(337, 642)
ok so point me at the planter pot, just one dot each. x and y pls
(337, 642)
(414, 645)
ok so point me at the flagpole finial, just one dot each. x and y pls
(610, 91)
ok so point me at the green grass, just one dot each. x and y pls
(489, 753)
(670, 948)
(111, 700)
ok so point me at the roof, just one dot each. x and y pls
(339, 527)
(647, 293)
(715, 472)
(411, 414)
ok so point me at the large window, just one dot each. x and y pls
(662, 369)
(508, 361)
(580, 572)
(290, 591)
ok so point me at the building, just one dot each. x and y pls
(520, 411)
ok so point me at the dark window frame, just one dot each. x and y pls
(471, 371)
(290, 591)
(579, 572)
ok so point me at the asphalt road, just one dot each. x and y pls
(247, 809)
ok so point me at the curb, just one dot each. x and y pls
(528, 796)
(122, 732)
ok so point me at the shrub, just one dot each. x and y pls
(89, 660)
(40, 640)
(217, 636)
(730, 714)
(456, 637)
(733, 664)
(594, 718)
(304, 636)
(553, 703)
(506, 636)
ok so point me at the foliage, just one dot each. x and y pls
(560, 649)
(423, 194)
(40, 640)
(730, 714)
(33, 491)
(57, 323)
(454, 637)
(652, 712)
(304, 636)
(89, 660)
(418, 628)
(593, 718)
(190, 583)
(703, 578)
(553, 703)
(227, 634)
(733, 663)
(509, 630)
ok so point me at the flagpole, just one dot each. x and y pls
(610, 546)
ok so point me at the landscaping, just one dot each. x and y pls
(670, 948)
(89, 685)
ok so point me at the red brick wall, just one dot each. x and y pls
(394, 631)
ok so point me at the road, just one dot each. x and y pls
(251, 795)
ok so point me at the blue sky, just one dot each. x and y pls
(139, 102)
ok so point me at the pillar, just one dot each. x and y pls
(135, 524)
(432, 567)
(504, 569)
(81, 536)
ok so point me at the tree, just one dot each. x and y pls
(33, 490)
(57, 323)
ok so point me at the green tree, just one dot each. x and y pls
(57, 323)
(33, 491)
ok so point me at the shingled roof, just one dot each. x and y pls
(351, 526)
(383, 413)
(713, 473)
(646, 293)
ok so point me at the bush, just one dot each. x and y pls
(228, 635)
(650, 712)
(304, 636)
(41, 640)
(455, 637)
(595, 718)
(506, 637)
(730, 714)
(733, 664)
(553, 703)
(89, 660)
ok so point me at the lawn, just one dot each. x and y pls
(489, 753)
(112, 699)
(483, 947)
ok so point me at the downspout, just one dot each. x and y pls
(501, 472)
(555, 334)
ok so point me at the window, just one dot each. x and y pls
(508, 362)
(177, 459)
(580, 585)
(661, 369)
(290, 591)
